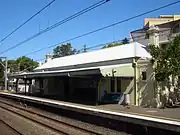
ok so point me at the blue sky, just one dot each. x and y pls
(15, 12)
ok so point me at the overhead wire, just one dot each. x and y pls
(105, 27)
(142, 37)
(29, 19)
(81, 12)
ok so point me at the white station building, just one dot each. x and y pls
(86, 76)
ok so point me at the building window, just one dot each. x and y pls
(144, 75)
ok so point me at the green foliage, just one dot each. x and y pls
(21, 64)
(64, 50)
(112, 45)
(25, 63)
(167, 59)
(124, 41)
(12, 64)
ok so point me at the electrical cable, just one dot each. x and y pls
(57, 24)
(29, 19)
(105, 27)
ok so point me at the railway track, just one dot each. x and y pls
(10, 127)
(50, 123)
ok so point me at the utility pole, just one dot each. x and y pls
(5, 74)
(85, 49)
(5, 71)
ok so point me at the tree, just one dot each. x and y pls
(124, 41)
(166, 62)
(25, 64)
(167, 59)
(64, 50)
(12, 64)
(112, 45)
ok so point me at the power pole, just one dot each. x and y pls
(5, 71)
(85, 49)
(5, 75)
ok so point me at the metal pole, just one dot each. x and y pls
(5, 71)
(5, 75)
(85, 49)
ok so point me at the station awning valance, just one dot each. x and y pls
(122, 70)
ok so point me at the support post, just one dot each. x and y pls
(97, 79)
(66, 87)
(25, 85)
(17, 84)
(135, 82)
(30, 87)
(41, 86)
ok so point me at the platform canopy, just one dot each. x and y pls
(93, 58)
(115, 61)
(123, 70)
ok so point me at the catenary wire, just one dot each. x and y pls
(29, 19)
(57, 24)
(107, 26)
(116, 41)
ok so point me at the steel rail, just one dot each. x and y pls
(8, 125)
(52, 119)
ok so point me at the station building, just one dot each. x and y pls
(85, 77)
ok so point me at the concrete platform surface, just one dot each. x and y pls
(171, 114)
(167, 113)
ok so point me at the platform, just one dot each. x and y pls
(168, 119)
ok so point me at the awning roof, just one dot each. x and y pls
(123, 70)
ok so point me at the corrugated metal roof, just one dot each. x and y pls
(115, 53)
